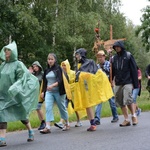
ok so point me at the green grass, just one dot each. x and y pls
(142, 101)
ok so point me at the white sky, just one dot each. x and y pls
(132, 9)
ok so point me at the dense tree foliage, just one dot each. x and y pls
(144, 29)
(61, 26)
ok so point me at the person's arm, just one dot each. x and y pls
(50, 87)
(139, 74)
(134, 72)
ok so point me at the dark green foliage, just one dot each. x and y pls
(43, 26)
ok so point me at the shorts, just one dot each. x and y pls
(39, 105)
(123, 95)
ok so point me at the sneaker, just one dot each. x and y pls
(97, 122)
(59, 125)
(45, 131)
(66, 127)
(92, 128)
(42, 126)
(125, 123)
(31, 136)
(78, 124)
(138, 112)
(3, 143)
(134, 121)
(114, 120)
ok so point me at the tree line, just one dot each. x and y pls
(61, 26)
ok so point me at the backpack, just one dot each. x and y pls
(128, 56)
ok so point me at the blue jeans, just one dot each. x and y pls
(60, 101)
(135, 93)
(112, 106)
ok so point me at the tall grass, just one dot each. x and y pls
(143, 102)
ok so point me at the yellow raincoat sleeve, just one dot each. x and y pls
(41, 87)
(67, 87)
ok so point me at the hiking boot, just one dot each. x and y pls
(45, 131)
(125, 123)
(59, 125)
(134, 121)
(31, 136)
(3, 143)
(42, 126)
(138, 112)
(78, 124)
(66, 127)
(92, 128)
(114, 120)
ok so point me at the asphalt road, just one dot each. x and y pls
(109, 136)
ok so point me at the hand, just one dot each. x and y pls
(42, 95)
(49, 88)
(148, 77)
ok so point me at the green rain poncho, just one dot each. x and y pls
(19, 89)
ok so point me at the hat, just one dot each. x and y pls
(101, 52)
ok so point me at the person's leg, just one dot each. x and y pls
(98, 109)
(113, 110)
(126, 119)
(90, 115)
(40, 116)
(134, 117)
(30, 131)
(3, 127)
(134, 95)
(49, 101)
(128, 100)
(60, 123)
(60, 100)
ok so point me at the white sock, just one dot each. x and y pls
(48, 126)
(67, 123)
(134, 115)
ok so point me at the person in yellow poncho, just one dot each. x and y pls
(91, 86)
(71, 77)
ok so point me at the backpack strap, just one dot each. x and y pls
(128, 55)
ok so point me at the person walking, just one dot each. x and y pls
(54, 91)
(71, 77)
(88, 81)
(105, 66)
(137, 92)
(124, 70)
(38, 72)
(19, 91)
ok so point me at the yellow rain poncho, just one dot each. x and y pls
(91, 89)
(70, 88)
(19, 89)
(92, 86)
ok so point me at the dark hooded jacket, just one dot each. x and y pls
(87, 65)
(124, 68)
(59, 78)
(147, 73)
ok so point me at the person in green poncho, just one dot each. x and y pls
(19, 92)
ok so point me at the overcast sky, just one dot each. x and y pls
(132, 9)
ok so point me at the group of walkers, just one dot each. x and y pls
(23, 90)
